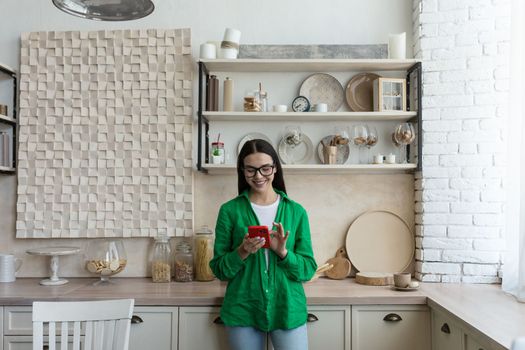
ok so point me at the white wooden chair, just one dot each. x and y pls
(106, 324)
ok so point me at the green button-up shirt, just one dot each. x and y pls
(264, 299)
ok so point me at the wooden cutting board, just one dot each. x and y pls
(342, 266)
(374, 278)
(320, 270)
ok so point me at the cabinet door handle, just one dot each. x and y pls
(445, 328)
(136, 319)
(392, 318)
(218, 320)
(312, 318)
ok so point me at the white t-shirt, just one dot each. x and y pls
(266, 215)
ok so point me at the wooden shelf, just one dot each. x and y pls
(7, 70)
(7, 120)
(7, 170)
(410, 67)
(4, 119)
(309, 116)
(322, 169)
(306, 65)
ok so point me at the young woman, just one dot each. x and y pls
(265, 292)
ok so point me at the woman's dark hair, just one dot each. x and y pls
(259, 146)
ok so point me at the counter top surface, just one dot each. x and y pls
(486, 308)
(320, 292)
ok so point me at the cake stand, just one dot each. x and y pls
(54, 253)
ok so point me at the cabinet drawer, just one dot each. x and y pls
(475, 343)
(25, 342)
(328, 328)
(331, 330)
(394, 327)
(156, 328)
(446, 335)
(197, 329)
(18, 321)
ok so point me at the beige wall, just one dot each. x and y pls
(332, 201)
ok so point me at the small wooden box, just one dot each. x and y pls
(390, 94)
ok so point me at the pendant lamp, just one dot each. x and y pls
(106, 10)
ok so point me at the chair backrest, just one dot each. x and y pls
(106, 324)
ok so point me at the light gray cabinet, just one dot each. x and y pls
(390, 327)
(330, 329)
(154, 327)
(446, 334)
(200, 328)
(15, 342)
(474, 340)
(25, 342)
(452, 333)
(472, 343)
(17, 320)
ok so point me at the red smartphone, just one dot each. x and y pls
(260, 231)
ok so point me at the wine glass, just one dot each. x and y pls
(360, 138)
(293, 135)
(105, 257)
(404, 134)
(342, 132)
(371, 139)
(340, 136)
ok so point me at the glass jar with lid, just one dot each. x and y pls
(203, 245)
(217, 152)
(161, 265)
(183, 262)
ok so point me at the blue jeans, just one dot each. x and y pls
(249, 338)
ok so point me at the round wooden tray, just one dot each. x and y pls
(380, 241)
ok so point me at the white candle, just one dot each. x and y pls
(233, 35)
(397, 45)
(228, 53)
(208, 51)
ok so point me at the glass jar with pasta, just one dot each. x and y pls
(183, 262)
(161, 259)
(203, 247)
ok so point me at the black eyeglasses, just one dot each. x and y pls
(265, 170)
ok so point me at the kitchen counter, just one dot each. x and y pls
(485, 307)
(321, 292)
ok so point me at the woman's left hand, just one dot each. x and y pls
(278, 240)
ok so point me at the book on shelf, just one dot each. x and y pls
(5, 149)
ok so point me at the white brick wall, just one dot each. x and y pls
(464, 46)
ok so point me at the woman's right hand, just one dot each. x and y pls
(250, 246)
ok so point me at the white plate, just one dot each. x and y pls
(299, 154)
(323, 88)
(252, 136)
